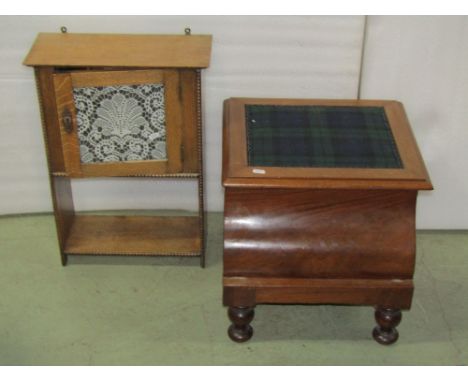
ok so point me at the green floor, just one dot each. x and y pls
(156, 311)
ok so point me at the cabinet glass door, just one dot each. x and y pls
(116, 123)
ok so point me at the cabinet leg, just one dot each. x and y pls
(240, 330)
(387, 319)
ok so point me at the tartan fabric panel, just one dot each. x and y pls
(320, 136)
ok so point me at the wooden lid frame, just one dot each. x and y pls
(237, 172)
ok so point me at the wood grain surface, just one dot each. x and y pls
(138, 235)
(249, 291)
(319, 233)
(70, 141)
(125, 50)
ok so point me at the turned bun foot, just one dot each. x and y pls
(385, 332)
(240, 330)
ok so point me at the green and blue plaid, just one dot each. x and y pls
(320, 136)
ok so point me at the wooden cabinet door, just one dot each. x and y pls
(120, 123)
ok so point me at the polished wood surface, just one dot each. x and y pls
(327, 184)
(134, 235)
(385, 333)
(318, 246)
(250, 291)
(319, 233)
(240, 330)
(125, 50)
(237, 172)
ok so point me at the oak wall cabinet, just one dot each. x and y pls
(122, 106)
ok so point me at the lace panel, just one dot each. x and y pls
(121, 123)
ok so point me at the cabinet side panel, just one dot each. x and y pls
(64, 209)
(62, 199)
(50, 124)
(201, 181)
(190, 147)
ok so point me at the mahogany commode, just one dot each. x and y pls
(320, 200)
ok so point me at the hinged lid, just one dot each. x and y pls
(149, 51)
(320, 144)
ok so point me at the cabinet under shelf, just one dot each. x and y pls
(134, 235)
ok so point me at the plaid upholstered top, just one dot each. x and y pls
(320, 136)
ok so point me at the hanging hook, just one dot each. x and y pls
(63, 29)
(188, 31)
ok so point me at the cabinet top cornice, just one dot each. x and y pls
(123, 50)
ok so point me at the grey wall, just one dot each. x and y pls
(423, 62)
(419, 60)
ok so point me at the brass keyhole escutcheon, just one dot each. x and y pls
(67, 121)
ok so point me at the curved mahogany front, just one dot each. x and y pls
(319, 233)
